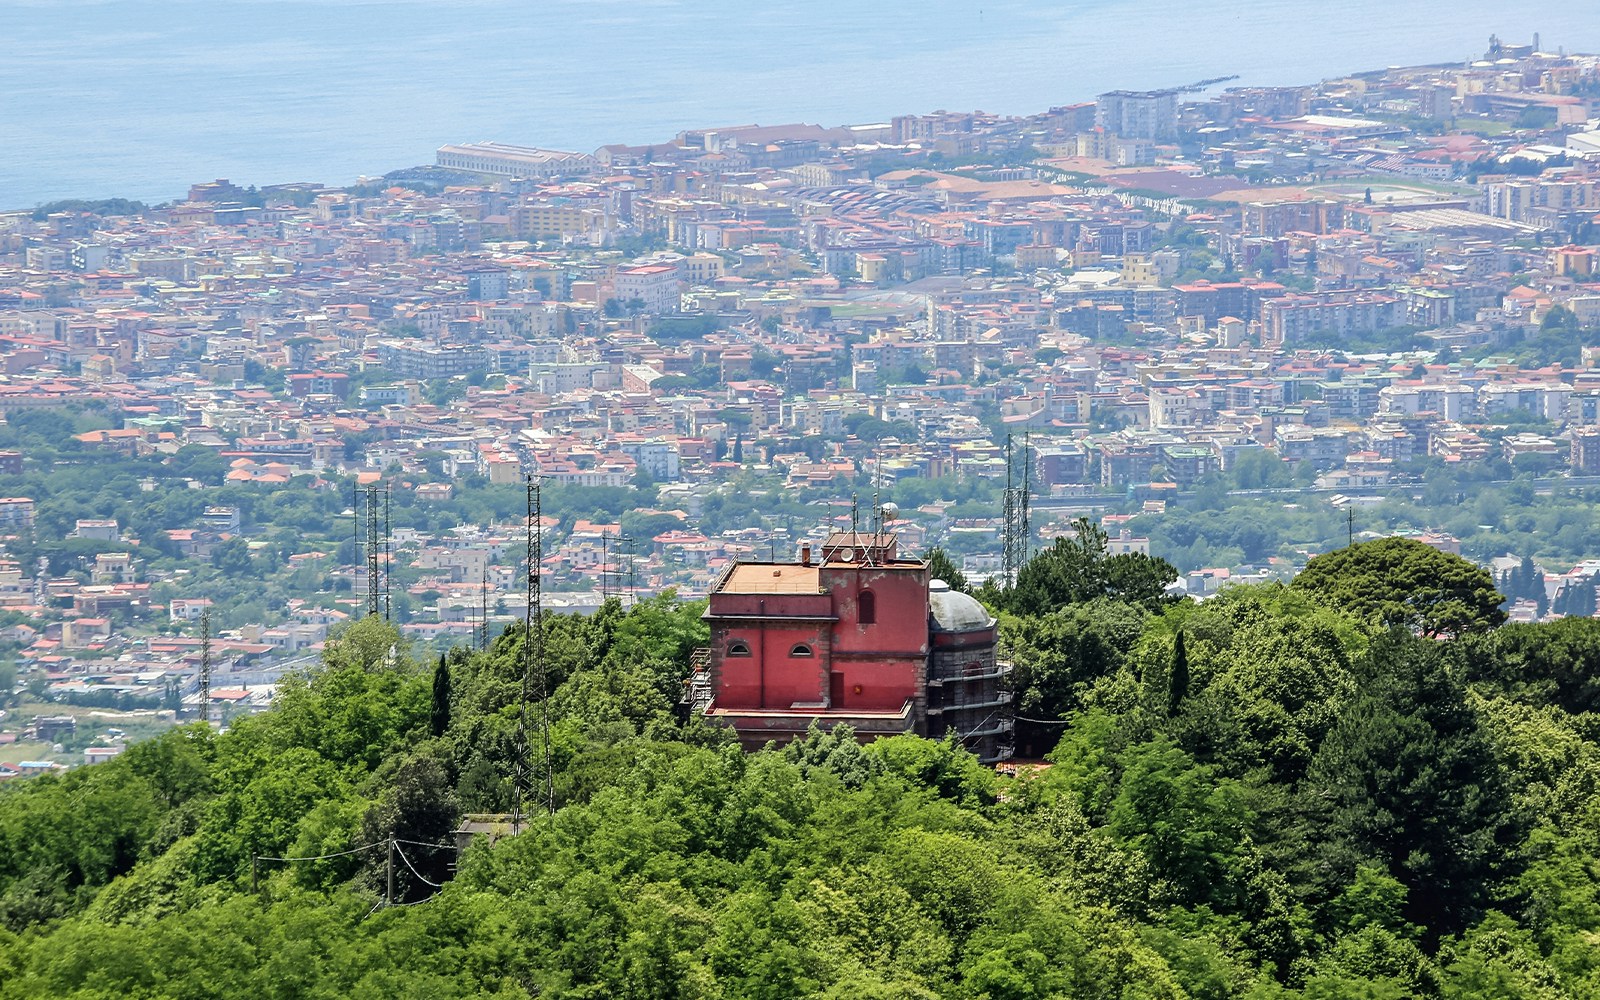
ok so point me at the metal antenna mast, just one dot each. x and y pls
(1026, 548)
(377, 547)
(205, 666)
(627, 548)
(374, 550)
(1017, 535)
(533, 665)
(355, 527)
(1008, 541)
(867, 555)
(877, 497)
(483, 613)
(388, 562)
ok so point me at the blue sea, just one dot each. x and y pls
(140, 98)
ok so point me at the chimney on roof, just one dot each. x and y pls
(805, 555)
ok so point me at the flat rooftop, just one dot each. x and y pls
(772, 578)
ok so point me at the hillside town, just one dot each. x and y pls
(1114, 302)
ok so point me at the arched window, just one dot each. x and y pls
(800, 649)
(867, 608)
(737, 648)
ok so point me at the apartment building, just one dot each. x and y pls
(513, 161)
(657, 286)
(1138, 114)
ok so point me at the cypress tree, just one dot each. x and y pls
(1178, 678)
(441, 698)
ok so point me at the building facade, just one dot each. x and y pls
(1145, 114)
(858, 636)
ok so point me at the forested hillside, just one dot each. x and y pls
(1359, 785)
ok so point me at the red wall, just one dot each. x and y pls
(884, 659)
(902, 609)
(885, 685)
(770, 677)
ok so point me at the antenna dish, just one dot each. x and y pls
(891, 511)
(847, 555)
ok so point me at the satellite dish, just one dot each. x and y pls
(891, 511)
(847, 555)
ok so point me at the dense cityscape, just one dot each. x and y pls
(1140, 549)
(1312, 299)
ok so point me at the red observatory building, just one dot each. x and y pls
(858, 635)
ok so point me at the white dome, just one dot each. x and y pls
(954, 611)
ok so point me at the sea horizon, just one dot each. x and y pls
(139, 99)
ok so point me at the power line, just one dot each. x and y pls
(413, 867)
(441, 845)
(1043, 722)
(322, 857)
(256, 859)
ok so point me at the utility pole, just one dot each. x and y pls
(388, 892)
(1350, 526)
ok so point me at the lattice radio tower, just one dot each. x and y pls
(483, 612)
(372, 507)
(205, 667)
(1016, 536)
(625, 542)
(1027, 496)
(534, 679)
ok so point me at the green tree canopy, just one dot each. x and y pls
(1077, 569)
(942, 567)
(1401, 582)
